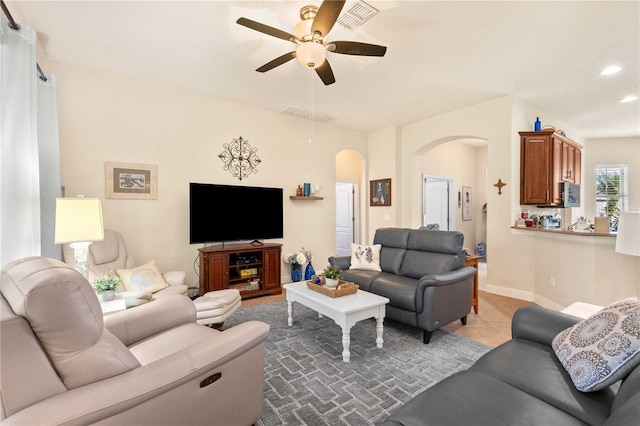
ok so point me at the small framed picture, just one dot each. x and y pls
(131, 181)
(467, 203)
(380, 192)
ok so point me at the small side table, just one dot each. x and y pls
(581, 309)
(473, 261)
(111, 306)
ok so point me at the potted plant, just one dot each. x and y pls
(106, 287)
(331, 275)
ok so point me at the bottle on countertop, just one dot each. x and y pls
(537, 126)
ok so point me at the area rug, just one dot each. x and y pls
(307, 383)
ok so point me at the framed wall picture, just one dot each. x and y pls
(131, 181)
(467, 203)
(380, 192)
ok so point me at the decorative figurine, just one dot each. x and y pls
(299, 191)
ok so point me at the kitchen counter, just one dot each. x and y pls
(566, 232)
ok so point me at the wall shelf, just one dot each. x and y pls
(296, 197)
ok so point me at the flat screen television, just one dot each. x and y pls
(221, 213)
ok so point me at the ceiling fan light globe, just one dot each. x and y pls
(311, 54)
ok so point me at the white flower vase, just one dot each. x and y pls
(108, 295)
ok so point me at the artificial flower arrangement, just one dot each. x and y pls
(106, 283)
(295, 258)
(307, 254)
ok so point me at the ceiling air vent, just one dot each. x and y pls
(320, 117)
(355, 14)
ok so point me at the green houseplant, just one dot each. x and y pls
(332, 274)
(106, 286)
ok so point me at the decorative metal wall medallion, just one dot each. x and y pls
(239, 158)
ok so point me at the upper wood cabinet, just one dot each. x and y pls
(546, 160)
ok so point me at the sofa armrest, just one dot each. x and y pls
(446, 278)
(174, 277)
(168, 376)
(342, 262)
(132, 325)
(538, 324)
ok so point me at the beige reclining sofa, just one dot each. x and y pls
(62, 362)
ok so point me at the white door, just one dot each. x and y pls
(438, 203)
(345, 217)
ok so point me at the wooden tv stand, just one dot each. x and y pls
(221, 266)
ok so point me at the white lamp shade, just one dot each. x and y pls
(78, 219)
(311, 54)
(628, 239)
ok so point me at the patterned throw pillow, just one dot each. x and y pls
(602, 349)
(365, 257)
(146, 278)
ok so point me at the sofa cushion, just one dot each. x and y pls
(361, 277)
(401, 291)
(145, 277)
(601, 349)
(365, 257)
(392, 237)
(417, 264)
(449, 242)
(475, 398)
(391, 259)
(544, 378)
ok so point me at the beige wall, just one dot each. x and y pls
(466, 165)
(520, 264)
(106, 118)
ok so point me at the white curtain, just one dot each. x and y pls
(20, 115)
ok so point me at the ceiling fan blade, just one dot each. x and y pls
(266, 29)
(327, 16)
(277, 61)
(356, 48)
(325, 73)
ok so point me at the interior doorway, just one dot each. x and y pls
(439, 202)
(347, 216)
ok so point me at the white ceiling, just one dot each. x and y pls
(441, 56)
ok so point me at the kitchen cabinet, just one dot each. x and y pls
(547, 159)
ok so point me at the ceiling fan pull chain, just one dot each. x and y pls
(310, 104)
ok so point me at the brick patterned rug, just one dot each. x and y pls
(307, 383)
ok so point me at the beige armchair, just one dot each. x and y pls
(64, 363)
(107, 256)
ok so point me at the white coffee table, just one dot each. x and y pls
(344, 311)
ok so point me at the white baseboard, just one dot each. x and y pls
(510, 292)
(523, 295)
(546, 303)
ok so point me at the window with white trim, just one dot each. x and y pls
(612, 190)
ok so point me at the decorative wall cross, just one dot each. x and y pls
(499, 185)
(239, 158)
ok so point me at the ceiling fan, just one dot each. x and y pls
(310, 37)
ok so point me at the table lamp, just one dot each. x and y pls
(79, 222)
(628, 239)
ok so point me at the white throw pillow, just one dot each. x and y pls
(602, 349)
(365, 257)
(146, 278)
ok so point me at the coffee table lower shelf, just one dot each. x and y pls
(345, 311)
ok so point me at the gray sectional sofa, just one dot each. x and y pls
(423, 274)
(522, 382)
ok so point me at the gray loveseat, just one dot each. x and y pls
(522, 382)
(423, 275)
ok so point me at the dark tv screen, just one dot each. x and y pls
(219, 213)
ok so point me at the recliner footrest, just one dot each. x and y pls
(216, 306)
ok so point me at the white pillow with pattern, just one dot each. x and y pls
(365, 257)
(602, 349)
